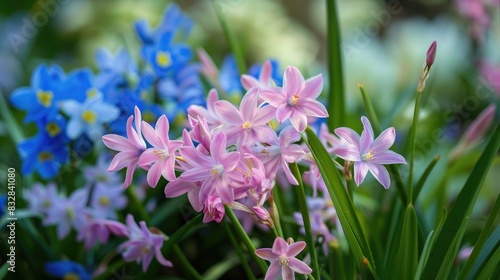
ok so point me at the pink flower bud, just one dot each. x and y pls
(431, 54)
(261, 213)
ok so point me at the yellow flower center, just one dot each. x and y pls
(160, 153)
(246, 125)
(44, 97)
(89, 116)
(369, 156)
(71, 276)
(92, 92)
(283, 260)
(52, 129)
(70, 213)
(44, 156)
(294, 100)
(148, 117)
(104, 201)
(163, 59)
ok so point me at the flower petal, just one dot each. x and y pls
(266, 254)
(299, 266)
(293, 82)
(380, 173)
(360, 171)
(274, 271)
(314, 108)
(384, 141)
(295, 248)
(279, 246)
(274, 96)
(349, 135)
(248, 105)
(349, 153)
(117, 142)
(389, 157)
(313, 87)
(298, 120)
(228, 112)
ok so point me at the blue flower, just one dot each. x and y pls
(39, 100)
(42, 154)
(174, 21)
(180, 91)
(3, 204)
(166, 56)
(229, 77)
(89, 116)
(67, 270)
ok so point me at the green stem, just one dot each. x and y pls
(301, 196)
(137, 205)
(336, 95)
(413, 136)
(276, 210)
(244, 237)
(233, 42)
(244, 263)
(193, 274)
(15, 131)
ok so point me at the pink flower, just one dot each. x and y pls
(214, 171)
(142, 245)
(248, 124)
(129, 149)
(209, 112)
(100, 229)
(214, 209)
(297, 99)
(368, 154)
(179, 187)
(283, 261)
(265, 78)
(161, 156)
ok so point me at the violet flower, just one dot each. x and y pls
(283, 261)
(368, 154)
(129, 149)
(142, 245)
(99, 230)
(297, 99)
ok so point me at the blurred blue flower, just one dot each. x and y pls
(67, 270)
(180, 91)
(166, 56)
(276, 75)
(39, 100)
(3, 204)
(42, 154)
(89, 116)
(229, 77)
(174, 21)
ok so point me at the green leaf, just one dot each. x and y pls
(343, 204)
(451, 234)
(180, 233)
(407, 260)
(423, 178)
(336, 104)
(425, 254)
(489, 256)
(301, 196)
(481, 240)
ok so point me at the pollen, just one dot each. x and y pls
(92, 92)
(89, 116)
(369, 156)
(52, 129)
(294, 100)
(163, 59)
(44, 156)
(246, 125)
(104, 201)
(160, 153)
(45, 97)
(284, 260)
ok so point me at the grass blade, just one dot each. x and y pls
(336, 103)
(455, 223)
(423, 178)
(406, 263)
(481, 240)
(425, 254)
(343, 204)
(489, 256)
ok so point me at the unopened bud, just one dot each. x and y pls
(431, 54)
(261, 213)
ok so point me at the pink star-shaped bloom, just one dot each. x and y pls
(297, 99)
(283, 261)
(161, 157)
(129, 149)
(368, 154)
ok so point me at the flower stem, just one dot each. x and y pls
(244, 237)
(15, 131)
(244, 263)
(233, 43)
(193, 274)
(336, 94)
(301, 195)
(276, 210)
(413, 136)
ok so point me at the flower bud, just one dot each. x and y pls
(431, 54)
